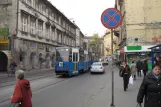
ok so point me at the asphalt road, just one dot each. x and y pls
(87, 90)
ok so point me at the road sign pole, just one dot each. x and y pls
(111, 41)
(111, 18)
(112, 102)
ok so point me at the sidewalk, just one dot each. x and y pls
(30, 75)
(121, 98)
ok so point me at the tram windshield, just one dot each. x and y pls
(62, 54)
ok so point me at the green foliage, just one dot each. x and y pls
(96, 40)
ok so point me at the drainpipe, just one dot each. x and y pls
(13, 36)
(17, 17)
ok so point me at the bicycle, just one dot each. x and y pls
(11, 71)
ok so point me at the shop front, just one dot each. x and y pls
(156, 54)
(134, 53)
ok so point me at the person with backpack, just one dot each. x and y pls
(125, 73)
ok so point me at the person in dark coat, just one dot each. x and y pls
(139, 67)
(145, 68)
(150, 88)
(22, 92)
(125, 73)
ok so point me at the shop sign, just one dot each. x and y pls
(4, 32)
(134, 47)
(33, 47)
(4, 41)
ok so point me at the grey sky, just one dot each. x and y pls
(85, 13)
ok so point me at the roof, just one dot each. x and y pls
(159, 45)
(58, 11)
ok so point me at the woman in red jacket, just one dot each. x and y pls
(22, 92)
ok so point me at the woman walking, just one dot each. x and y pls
(133, 70)
(151, 88)
(125, 73)
(22, 92)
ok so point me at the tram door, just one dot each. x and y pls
(75, 61)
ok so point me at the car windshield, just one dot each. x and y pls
(97, 64)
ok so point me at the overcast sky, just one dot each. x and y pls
(85, 13)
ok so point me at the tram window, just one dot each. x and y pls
(70, 58)
(76, 57)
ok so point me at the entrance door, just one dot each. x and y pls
(75, 61)
(3, 62)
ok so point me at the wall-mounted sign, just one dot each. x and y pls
(4, 41)
(134, 47)
(4, 32)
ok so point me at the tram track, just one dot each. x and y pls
(35, 90)
(33, 79)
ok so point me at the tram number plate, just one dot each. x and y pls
(61, 64)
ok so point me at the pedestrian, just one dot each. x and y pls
(145, 67)
(22, 92)
(125, 73)
(151, 88)
(133, 70)
(139, 67)
(13, 66)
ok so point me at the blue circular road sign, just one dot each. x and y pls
(111, 18)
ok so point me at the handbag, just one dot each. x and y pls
(121, 72)
(16, 104)
(139, 105)
(131, 80)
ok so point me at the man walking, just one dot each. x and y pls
(139, 67)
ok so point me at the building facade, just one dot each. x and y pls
(107, 43)
(141, 22)
(79, 38)
(36, 28)
(141, 26)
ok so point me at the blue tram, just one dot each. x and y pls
(71, 61)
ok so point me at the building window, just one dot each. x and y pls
(66, 40)
(56, 18)
(28, 2)
(47, 31)
(33, 3)
(32, 25)
(40, 28)
(40, 7)
(69, 41)
(50, 13)
(60, 38)
(44, 8)
(24, 19)
(57, 36)
(53, 34)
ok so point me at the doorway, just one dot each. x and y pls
(3, 62)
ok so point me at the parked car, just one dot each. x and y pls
(97, 67)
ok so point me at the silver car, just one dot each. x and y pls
(97, 67)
